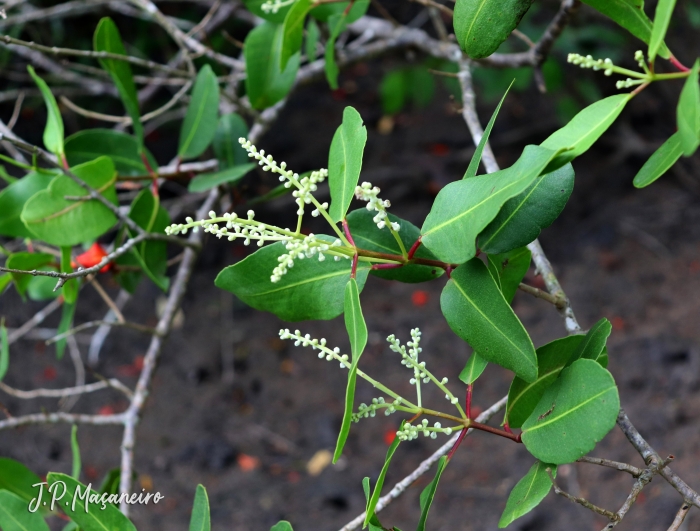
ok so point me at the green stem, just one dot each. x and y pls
(399, 241)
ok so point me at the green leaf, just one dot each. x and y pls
(309, 290)
(18, 479)
(372, 500)
(662, 18)
(70, 288)
(660, 162)
(354, 320)
(630, 15)
(422, 84)
(265, 83)
(14, 515)
(200, 519)
(523, 396)
(282, 525)
(151, 255)
(200, 122)
(122, 148)
(13, 198)
(358, 8)
(58, 221)
(67, 313)
(522, 218)
(337, 24)
(107, 39)
(313, 33)
(473, 369)
(27, 262)
(592, 345)
(110, 483)
(585, 128)
(576, 412)
(53, 133)
(294, 30)
(227, 149)
(89, 516)
(5, 280)
(345, 162)
(369, 237)
(347, 413)
(393, 91)
(40, 288)
(4, 350)
(482, 25)
(477, 312)
(511, 268)
(476, 158)
(464, 208)
(75, 450)
(528, 493)
(207, 181)
(426, 497)
(688, 114)
(255, 7)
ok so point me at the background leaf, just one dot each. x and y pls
(53, 132)
(312, 35)
(200, 519)
(15, 477)
(75, 451)
(27, 262)
(337, 24)
(4, 350)
(393, 91)
(207, 181)
(122, 148)
(201, 120)
(151, 255)
(426, 497)
(13, 198)
(294, 30)
(593, 343)
(688, 113)
(473, 369)
(511, 268)
(282, 525)
(14, 515)
(227, 149)
(374, 498)
(528, 492)
(664, 10)
(70, 288)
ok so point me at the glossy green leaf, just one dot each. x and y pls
(265, 83)
(369, 237)
(75, 450)
(511, 268)
(18, 479)
(337, 24)
(630, 15)
(660, 162)
(347, 413)
(473, 369)
(255, 7)
(65, 324)
(201, 120)
(27, 262)
(122, 148)
(151, 255)
(354, 320)
(58, 221)
(426, 497)
(13, 198)
(477, 312)
(393, 91)
(107, 39)
(70, 288)
(14, 515)
(576, 412)
(358, 8)
(345, 162)
(294, 30)
(593, 343)
(476, 158)
(688, 113)
(89, 516)
(662, 18)
(464, 208)
(53, 132)
(207, 181)
(309, 290)
(374, 498)
(584, 129)
(603, 358)
(313, 33)
(524, 396)
(4, 350)
(528, 492)
(227, 148)
(522, 218)
(40, 288)
(282, 525)
(482, 25)
(200, 519)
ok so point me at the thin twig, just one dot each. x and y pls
(622, 467)
(93, 324)
(680, 516)
(53, 418)
(535, 292)
(108, 300)
(67, 391)
(581, 501)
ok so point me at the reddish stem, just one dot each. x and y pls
(507, 428)
(459, 440)
(386, 266)
(414, 248)
(483, 427)
(448, 270)
(346, 230)
(64, 161)
(468, 405)
(353, 273)
(680, 66)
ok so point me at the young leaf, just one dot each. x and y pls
(75, 450)
(200, 519)
(477, 312)
(13, 198)
(592, 345)
(4, 350)
(662, 17)
(207, 181)
(585, 128)
(464, 208)
(200, 122)
(521, 218)
(151, 255)
(345, 162)
(58, 221)
(473, 369)
(688, 115)
(659, 163)
(89, 516)
(227, 149)
(347, 414)
(528, 493)
(265, 83)
(14, 515)
(107, 39)
(482, 25)
(294, 30)
(523, 396)
(282, 525)
(70, 288)
(354, 320)
(476, 158)
(511, 267)
(122, 148)
(27, 262)
(367, 236)
(372, 500)
(313, 33)
(576, 412)
(53, 133)
(67, 313)
(426, 497)
(337, 23)
(309, 290)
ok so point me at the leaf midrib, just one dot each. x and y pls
(74, 204)
(198, 116)
(568, 411)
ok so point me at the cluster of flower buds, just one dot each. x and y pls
(325, 352)
(299, 249)
(410, 432)
(589, 62)
(370, 410)
(366, 192)
(273, 6)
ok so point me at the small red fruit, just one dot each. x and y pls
(92, 257)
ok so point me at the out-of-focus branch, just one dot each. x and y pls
(53, 418)
(67, 391)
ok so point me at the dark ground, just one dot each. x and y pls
(632, 256)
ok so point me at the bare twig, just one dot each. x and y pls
(36, 320)
(535, 292)
(67, 391)
(53, 418)
(67, 402)
(581, 501)
(622, 467)
(680, 516)
(93, 324)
